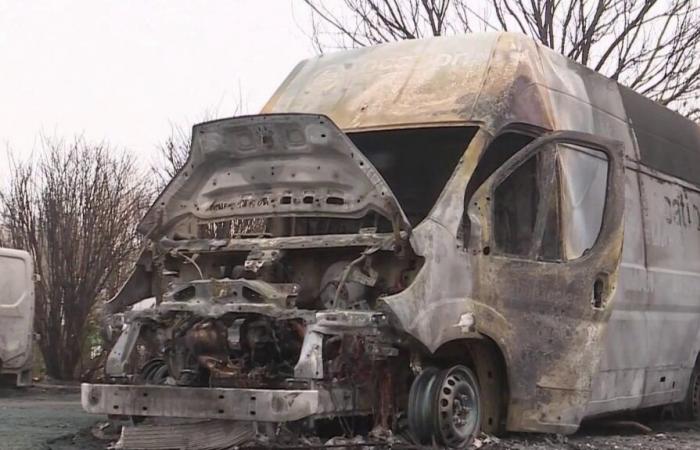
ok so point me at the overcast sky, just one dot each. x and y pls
(123, 71)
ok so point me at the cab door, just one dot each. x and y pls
(16, 313)
(546, 238)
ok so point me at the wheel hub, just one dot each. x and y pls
(461, 409)
(444, 406)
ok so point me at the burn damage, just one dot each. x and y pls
(266, 267)
(415, 274)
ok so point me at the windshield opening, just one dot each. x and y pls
(416, 162)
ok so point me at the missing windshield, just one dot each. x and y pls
(416, 163)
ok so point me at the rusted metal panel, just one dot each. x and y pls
(260, 405)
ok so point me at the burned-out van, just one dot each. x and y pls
(16, 316)
(428, 237)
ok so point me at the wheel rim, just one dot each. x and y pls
(457, 417)
(443, 406)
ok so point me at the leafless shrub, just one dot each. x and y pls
(75, 209)
(171, 155)
(651, 46)
(173, 151)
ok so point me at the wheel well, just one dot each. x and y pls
(487, 361)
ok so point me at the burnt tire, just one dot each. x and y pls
(445, 407)
(420, 405)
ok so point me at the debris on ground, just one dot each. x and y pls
(186, 435)
(51, 419)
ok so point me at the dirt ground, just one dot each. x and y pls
(44, 418)
(605, 435)
(51, 418)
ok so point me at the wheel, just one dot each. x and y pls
(690, 408)
(458, 407)
(444, 406)
(421, 405)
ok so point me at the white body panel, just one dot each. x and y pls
(653, 336)
(16, 314)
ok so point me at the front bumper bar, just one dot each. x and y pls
(263, 405)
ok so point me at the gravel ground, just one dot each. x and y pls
(51, 418)
(609, 435)
(44, 418)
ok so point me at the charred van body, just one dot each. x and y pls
(421, 237)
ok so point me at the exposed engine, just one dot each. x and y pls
(273, 319)
(267, 280)
(249, 348)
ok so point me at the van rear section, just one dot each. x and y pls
(16, 316)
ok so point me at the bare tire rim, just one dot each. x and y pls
(457, 417)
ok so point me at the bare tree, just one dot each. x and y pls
(75, 209)
(173, 151)
(651, 46)
(171, 155)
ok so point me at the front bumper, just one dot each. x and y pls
(262, 405)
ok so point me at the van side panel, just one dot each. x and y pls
(653, 334)
(620, 383)
(672, 222)
(16, 314)
(669, 157)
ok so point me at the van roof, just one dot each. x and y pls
(482, 77)
(489, 78)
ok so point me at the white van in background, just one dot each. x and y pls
(16, 316)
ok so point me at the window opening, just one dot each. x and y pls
(584, 183)
(498, 152)
(503, 147)
(551, 207)
(416, 163)
(516, 202)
